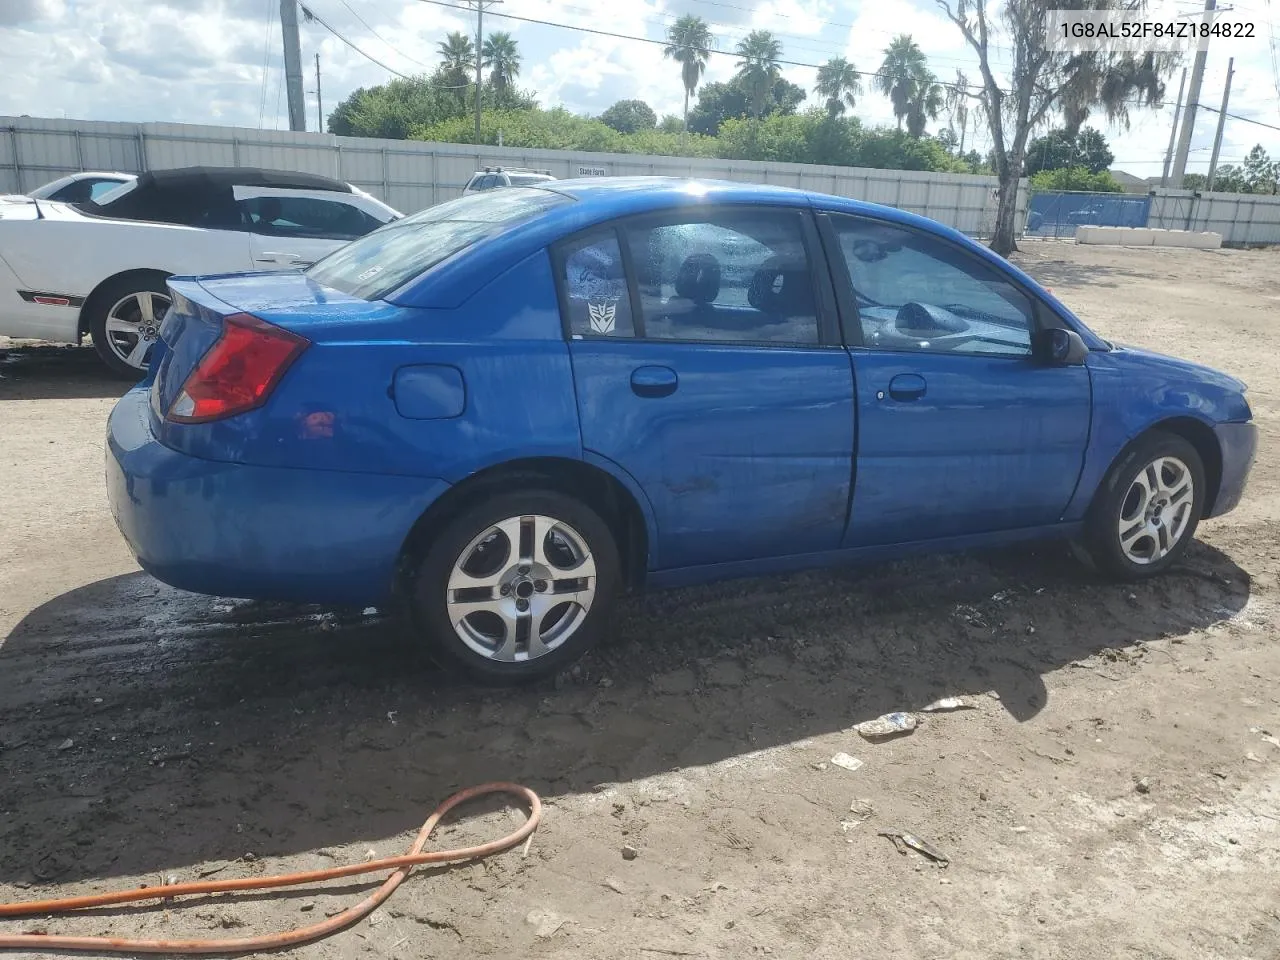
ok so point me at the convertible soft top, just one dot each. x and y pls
(198, 196)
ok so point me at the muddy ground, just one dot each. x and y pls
(1113, 796)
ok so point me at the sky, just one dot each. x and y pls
(220, 61)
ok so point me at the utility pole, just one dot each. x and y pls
(1173, 131)
(293, 64)
(1222, 122)
(1193, 101)
(319, 101)
(480, 6)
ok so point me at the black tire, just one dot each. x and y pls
(100, 305)
(1102, 534)
(430, 588)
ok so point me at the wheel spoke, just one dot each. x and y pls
(461, 580)
(1183, 494)
(506, 651)
(1162, 540)
(146, 308)
(139, 353)
(120, 325)
(539, 529)
(1130, 536)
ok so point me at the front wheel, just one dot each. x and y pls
(516, 587)
(1145, 514)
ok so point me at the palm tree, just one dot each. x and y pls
(689, 44)
(958, 106)
(501, 55)
(457, 58)
(904, 63)
(924, 104)
(839, 85)
(760, 52)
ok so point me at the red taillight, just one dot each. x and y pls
(239, 371)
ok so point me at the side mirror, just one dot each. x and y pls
(1056, 347)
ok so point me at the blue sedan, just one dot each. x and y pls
(507, 409)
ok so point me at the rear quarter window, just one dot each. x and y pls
(373, 266)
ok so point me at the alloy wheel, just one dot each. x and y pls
(1156, 510)
(133, 326)
(521, 588)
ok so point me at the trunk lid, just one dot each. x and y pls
(287, 299)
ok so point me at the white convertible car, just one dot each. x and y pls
(99, 267)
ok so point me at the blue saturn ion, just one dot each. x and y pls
(507, 409)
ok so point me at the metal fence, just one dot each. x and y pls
(411, 175)
(1243, 219)
(1058, 213)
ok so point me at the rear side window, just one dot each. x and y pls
(595, 287)
(376, 264)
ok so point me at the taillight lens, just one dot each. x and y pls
(239, 371)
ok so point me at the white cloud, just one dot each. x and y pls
(202, 61)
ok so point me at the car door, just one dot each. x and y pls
(960, 430)
(708, 367)
(295, 228)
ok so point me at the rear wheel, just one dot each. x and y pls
(1146, 511)
(515, 588)
(124, 322)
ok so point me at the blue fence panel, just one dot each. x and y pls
(1058, 214)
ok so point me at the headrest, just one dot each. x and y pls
(699, 278)
(782, 289)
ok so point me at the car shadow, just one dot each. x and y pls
(143, 729)
(1041, 260)
(56, 372)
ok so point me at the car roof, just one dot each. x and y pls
(183, 177)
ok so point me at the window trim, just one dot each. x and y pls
(851, 319)
(825, 305)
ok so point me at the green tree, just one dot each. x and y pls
(759, 52)
(1260, 172)
(1059, 149)
(1075, 178)
(1229, 179)
(904, 64)
(501, 57)
(630, 116)
(689, 44)
(457, 58)
(947, 138)
(719, 102)
(671, 124)
(925, 103)
(839, 85)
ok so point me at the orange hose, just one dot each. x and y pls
(402, 865)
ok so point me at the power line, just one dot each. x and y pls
(388, 43)
(311, 15)
(1235, 116)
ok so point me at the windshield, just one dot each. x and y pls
(376, 264)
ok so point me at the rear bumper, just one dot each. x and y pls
(263, 533)
(1239, 444)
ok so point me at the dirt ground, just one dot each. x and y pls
(1114, 794)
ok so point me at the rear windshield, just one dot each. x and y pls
(526, 179)
(376, 264)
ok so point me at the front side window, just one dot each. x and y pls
(736, 276)
(918, 292)
(379, 262)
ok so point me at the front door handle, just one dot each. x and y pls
(654, 381)
(907, 386)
